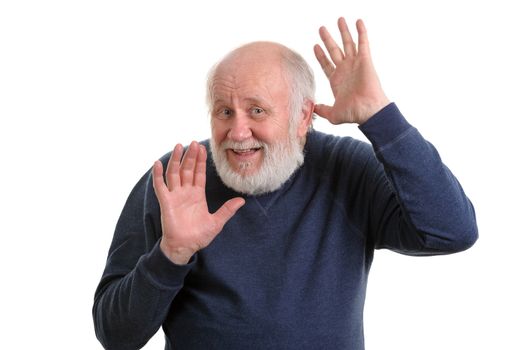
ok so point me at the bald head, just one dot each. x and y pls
(256, 52)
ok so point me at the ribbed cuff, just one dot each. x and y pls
(385, 126)
(162, 271)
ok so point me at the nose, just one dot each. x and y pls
(240, 129)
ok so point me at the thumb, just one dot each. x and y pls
(323, 111)
(227, 210)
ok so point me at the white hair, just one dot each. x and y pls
(301, 81)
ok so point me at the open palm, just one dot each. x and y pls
(353, 79)
(186, 222)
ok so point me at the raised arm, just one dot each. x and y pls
(418, 206)
(147, 265)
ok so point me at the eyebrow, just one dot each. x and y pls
(257, 100)
(252, 100)
(218, 100)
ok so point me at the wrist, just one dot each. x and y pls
(373, 109)
(179, 255)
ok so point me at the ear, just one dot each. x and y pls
(306, 118)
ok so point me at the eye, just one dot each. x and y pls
(257, 111)
(223, 113)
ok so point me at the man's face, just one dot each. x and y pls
(249, 104)
(251, 129)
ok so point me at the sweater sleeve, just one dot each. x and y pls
(139, 282)
(418, 206)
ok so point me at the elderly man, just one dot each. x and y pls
(282, 261)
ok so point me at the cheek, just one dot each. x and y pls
(218, 132)
(278, 131)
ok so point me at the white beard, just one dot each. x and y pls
(280, 161)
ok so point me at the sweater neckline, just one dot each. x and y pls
(266, 201)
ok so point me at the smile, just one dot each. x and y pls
(245, 151)
(244, 154)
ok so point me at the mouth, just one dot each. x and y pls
(245, 151)
(244, 155)
(244, 159)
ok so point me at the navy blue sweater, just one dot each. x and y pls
(289, 270)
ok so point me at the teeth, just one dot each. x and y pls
(246, 150)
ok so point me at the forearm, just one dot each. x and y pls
(428, 194)
(130, 308)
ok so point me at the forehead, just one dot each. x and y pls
(249, 77)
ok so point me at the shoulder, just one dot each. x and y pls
(329, 153)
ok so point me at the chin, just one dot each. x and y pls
(244, 170)
(267, 173)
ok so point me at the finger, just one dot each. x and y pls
(363, 39)
(227, 210)
(325, 63)
(332, 48)
(323, 111)
(200, 168)
(172, 171)
(349, 47)
(187, 171)
(158, 181)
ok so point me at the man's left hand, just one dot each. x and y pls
(354, 82)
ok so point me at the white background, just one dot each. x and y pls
(92, 92)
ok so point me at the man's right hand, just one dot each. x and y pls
(186, 223)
